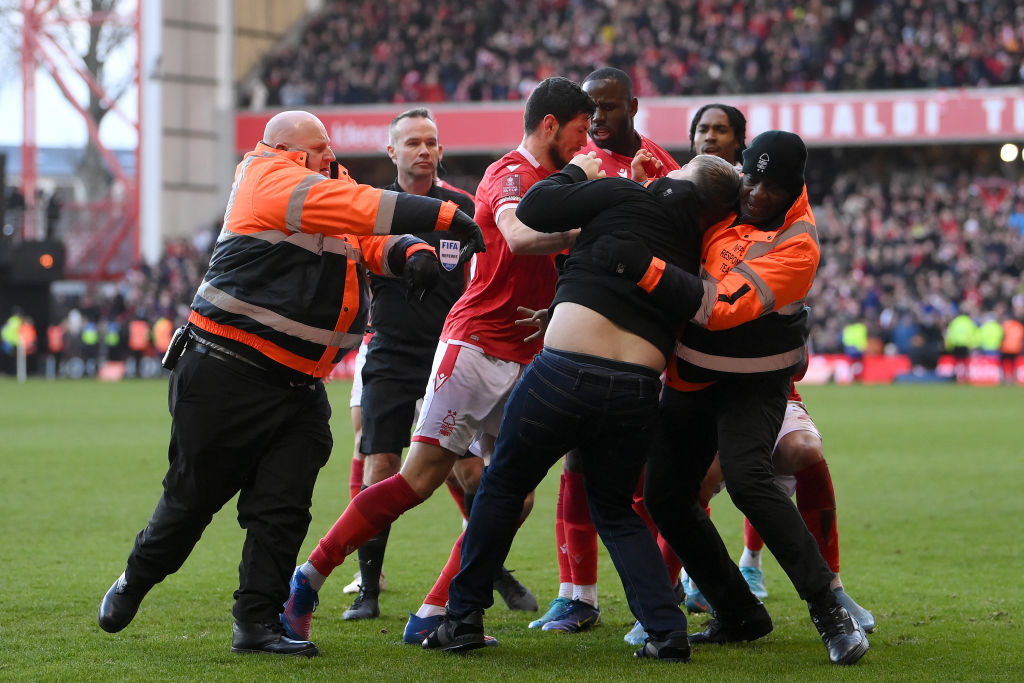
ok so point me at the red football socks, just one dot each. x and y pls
(816, 501)
(562, 548)
(580, 534)
(459, 496)
(369, 512)
(355, 478)
(438, 594)
(751, 539)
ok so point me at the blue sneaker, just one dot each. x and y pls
(418, 628)
(695, 602)
(638, 636)
(863, 617)
(755, 579)
(298, 611)
(556, 608)
(579, 616)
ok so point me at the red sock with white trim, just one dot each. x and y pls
(438, 594)
(366, 516)
(752, 540)
(561, 546)
(580, 536)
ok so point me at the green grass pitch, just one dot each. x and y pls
(929, 480)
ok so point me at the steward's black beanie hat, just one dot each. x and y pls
(779, 156)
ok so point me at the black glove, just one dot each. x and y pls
(420, 274)
(623, 254)
(468, 232)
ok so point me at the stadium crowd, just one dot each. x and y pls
(903, 249)
(354, 52)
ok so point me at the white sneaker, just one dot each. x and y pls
(357, 582)
(354, 586)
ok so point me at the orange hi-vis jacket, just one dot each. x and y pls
(752, 318)
(285, 278)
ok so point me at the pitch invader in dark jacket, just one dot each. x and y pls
(727, 391)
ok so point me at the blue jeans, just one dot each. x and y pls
(603, 408)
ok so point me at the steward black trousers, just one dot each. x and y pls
(237, 429)
(740, 419)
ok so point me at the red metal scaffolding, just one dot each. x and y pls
(103, 240)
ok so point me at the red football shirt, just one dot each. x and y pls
(483, 316)
(615, 164)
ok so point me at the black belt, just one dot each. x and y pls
(293, 380)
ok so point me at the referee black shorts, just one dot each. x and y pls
(394, 378)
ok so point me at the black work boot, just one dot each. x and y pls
(365, 606)
(119, 605)
(670, 647)
(268, 637)
(844, 638)
(751, 624)
(457, 634)
(516, 595)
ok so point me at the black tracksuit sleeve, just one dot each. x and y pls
(566, 200)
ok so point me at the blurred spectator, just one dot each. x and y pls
(1011, 348)
(54, 211)
(961, 340)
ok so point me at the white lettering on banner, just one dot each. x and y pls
(872, 127)
(786, 117)
(760, 119)
(351, 135)
(904, 118)
(931, 118)
(843, 123)
(993, 114)
(1018, 115)
(640, 121)
(812, 121)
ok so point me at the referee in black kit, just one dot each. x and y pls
(407, 324)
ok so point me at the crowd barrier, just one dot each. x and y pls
(842, 369)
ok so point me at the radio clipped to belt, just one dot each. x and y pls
(175, 348)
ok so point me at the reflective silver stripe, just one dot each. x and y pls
(275, 321)
(297, 200)
(385, 213)
(389, 244)
(764, 292)
(707, 304)
(234, 190)
(315, 243)
(779, 361)
(791, 309)
(798, 228)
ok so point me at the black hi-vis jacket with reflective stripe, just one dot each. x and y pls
(286, 277)
(752, 318)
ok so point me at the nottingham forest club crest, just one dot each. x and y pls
(449, 254)
(448, 423)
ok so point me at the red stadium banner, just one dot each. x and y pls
(821, 119)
